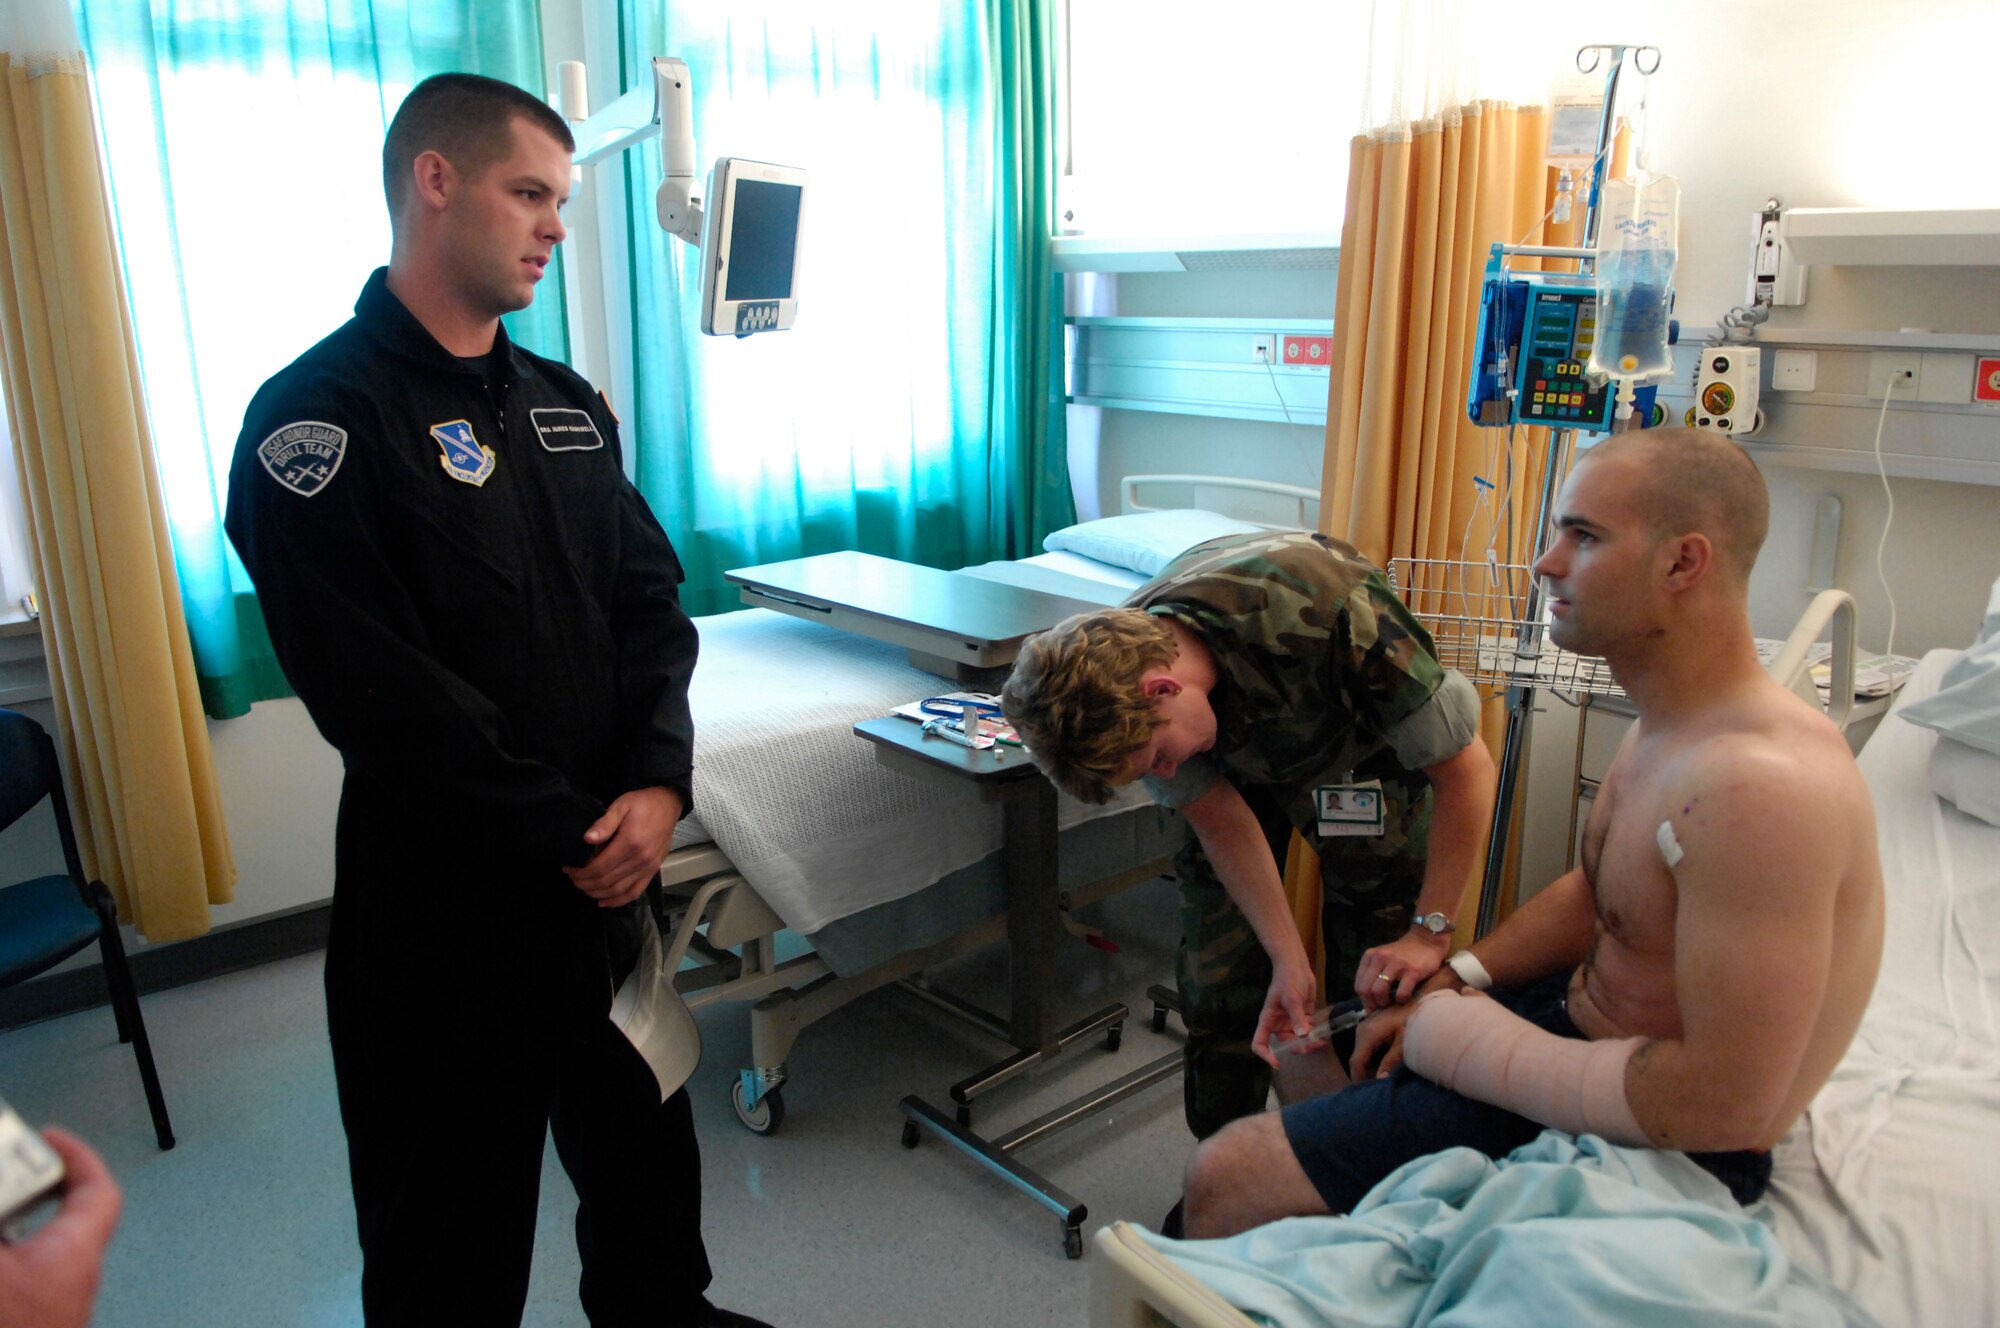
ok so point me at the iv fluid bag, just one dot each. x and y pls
(1635, 277)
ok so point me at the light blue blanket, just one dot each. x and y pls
(1562, 1231)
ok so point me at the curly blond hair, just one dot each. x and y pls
(1075, 699)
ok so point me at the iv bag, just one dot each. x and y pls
(1635, 277)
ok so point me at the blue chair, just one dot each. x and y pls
(48, 919)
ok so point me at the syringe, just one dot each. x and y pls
(1326, 1021)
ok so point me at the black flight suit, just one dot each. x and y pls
(482, 614)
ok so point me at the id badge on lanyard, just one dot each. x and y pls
(1353, 808)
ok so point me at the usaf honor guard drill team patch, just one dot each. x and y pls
(562, 429)
(465, 458)
(303, 456)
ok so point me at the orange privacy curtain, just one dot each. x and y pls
(1424, 208)
(144, 797)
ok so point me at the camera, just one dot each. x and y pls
(30, 1171)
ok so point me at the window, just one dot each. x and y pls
(1186, 118)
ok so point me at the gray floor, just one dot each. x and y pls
(829, 1221)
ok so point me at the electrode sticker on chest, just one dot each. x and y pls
(463, 457)
(565, 430)
(303, 455)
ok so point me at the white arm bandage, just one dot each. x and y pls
(1475, 1046)
(1470, 971)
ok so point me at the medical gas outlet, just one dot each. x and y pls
(1725, 390)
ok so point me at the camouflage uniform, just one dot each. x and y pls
(1317, 661)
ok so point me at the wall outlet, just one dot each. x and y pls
(1794, 371)
(1986, 381)
(1263, 349)
(1903, 368)
(1305, 352)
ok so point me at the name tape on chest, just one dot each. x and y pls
(304, 455)
(563, 429)
(463, 456)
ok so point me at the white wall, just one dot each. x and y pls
(280, 787)
(1108, 444)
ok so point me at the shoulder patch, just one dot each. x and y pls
(304, 455)
(566, 429)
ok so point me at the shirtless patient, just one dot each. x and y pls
(1693, 983)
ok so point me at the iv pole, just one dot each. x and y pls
(1521, 696)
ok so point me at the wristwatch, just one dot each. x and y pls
(1437, 924)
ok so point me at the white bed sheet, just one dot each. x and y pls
(1890, 1186)
(775, 700)
(1075, 564)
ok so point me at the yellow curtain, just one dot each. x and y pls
(144, 797)
(1423, 210)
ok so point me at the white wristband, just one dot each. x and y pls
(1470, 971)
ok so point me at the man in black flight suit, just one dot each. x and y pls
(483, 616)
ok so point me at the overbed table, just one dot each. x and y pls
(957, 626)
(1027, 800)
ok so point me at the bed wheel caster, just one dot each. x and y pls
(910, 1134)
(1114, 1037)
(1159, 1017)
(1072, 1242)
(766, 1116)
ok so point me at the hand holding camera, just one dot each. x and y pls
(49, 1270)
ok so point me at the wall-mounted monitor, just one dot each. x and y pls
(750, 254)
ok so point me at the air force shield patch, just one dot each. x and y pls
(303, 455)
(464, 458)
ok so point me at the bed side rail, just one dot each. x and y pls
(1133, 1286)
(1831, 610)
(1261, 502)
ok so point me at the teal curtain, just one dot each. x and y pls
(915, 410)
(243, 142)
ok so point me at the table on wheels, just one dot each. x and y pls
(1027, 800)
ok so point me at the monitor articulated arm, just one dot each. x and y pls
(635, 117)
(676, 204)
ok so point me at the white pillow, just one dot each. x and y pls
(1967, 778)
(1967, 703)
(1145, 542)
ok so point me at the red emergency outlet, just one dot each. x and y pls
(1305, 352)
(1986, 381)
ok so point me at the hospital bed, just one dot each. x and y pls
(808, 874)
(1885, 1199)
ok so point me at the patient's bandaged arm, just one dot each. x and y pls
(1475, 1046)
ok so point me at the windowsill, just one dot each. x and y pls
(1193, 253)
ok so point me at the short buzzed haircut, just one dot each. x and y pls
(469, 119)
(1700, 481)
(1076, 696)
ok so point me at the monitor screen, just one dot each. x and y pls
(763, 235)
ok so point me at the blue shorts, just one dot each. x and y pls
(1349, 1140)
